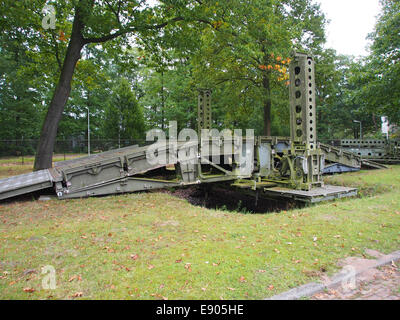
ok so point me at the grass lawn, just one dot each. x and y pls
(156, 246)
(11, 166)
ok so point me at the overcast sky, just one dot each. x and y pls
(351, 21)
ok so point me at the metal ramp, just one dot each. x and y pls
(369, 164)
(343, 159)
(120, 171)
(25, 183)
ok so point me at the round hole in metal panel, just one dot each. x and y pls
(297, 82)
(298, 109)
(299, 133)
(297, 70)
(298, 94)
(299, 121)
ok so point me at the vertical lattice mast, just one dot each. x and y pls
(302, 101)
(204, 110)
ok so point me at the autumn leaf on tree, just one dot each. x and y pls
(62, 36)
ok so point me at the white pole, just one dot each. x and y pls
(88, 129)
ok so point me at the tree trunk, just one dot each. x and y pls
(374, 121)
(44, 154)
(162, 101)
(267, 107)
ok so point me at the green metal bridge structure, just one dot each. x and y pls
(269, 167)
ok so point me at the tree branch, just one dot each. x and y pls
(129, 30)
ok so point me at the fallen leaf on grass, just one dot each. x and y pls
(178, 261)
(30, 290)
(134, 256)
(262, 271)
(188, 266)
(242, 279)
(78, 294)
(271, 287)
(232, 289)
(150, 267)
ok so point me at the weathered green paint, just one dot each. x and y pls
(273, 164)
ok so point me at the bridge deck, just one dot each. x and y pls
(25, 183)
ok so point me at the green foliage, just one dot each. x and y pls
(245, 56)
(384, 61)
(123, 116)
(236, 48)
(376, 80)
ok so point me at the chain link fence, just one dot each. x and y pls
(24, 148)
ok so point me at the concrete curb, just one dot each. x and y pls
(313, 288)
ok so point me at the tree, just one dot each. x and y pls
(377, 79)
(123, 116)
(99, 22)
(251, 42)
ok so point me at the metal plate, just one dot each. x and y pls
(315, 195)
(25, 183)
